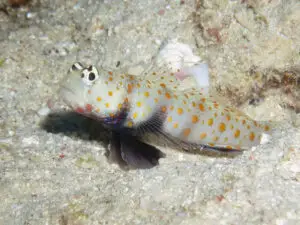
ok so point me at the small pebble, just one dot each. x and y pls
(30, 15)
(161, 12)
(28, 141)
(158, 42)
(50, 103)
(44, 111)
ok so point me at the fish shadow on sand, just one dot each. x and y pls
(123, 149)
(126, 150)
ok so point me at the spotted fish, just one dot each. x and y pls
(154, 103)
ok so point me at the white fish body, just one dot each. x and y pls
(189, 116)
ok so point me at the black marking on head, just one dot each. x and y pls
(77, 66)
(90, 68)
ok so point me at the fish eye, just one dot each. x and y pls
(92, 76)
(89, 75)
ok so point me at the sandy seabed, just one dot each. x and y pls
(58, 174)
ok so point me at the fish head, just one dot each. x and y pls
(86, 91)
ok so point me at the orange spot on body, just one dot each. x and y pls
(110, 73)
(179, 111)
(129, 88)
(251, 136)
(171, 107)
(119, 106)
(129, 124)
(138, 104)
(88, 107)
(168, 96)
(203, 135)
(146, 94)
(195, 119)
(216, 138)
(79, 110)
(216, 105)
(194, 104)
(266, 128)
(97, 110)
(110, 79)
(201, 107)
(210, 122)
(237, 133)
(175, 125)
(110, 93)
(211, 144)
(159, 92)
(134, 115)
(156, 100)
(89, 91)
(229, 147)
(203, 99)
(228, 118)
(186, 132)
(162, 85)
(163, 108)
(107, 105)
(222, 127)
(169, 119)
(99, 99)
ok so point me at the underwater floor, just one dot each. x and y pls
(53, 168)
